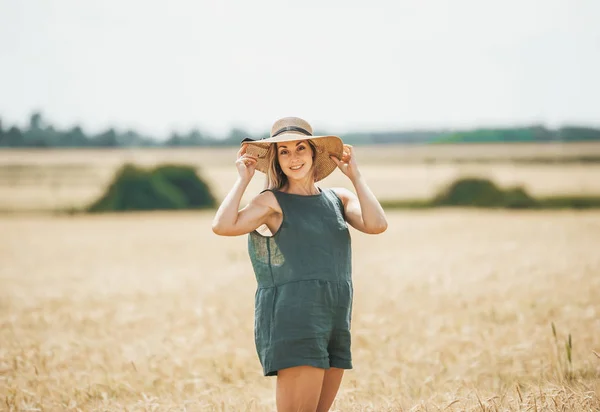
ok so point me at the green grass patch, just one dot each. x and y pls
(569, 202)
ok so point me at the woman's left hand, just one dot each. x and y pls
(347, 164)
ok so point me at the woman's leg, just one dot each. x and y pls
(299, 388)
(331, 384)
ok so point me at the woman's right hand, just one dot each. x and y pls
(245, 163)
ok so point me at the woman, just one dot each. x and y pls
(303, 270)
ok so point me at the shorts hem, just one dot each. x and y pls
(273, 369)
(340, 364)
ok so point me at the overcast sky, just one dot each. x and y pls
(341, 64)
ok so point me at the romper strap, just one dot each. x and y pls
(280, 200)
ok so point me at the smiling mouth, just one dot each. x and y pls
(296, 167)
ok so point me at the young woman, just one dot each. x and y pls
(303, 303)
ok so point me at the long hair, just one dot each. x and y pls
(276, 179)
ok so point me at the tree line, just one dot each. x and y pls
(41, 134)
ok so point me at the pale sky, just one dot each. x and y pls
(343, 65)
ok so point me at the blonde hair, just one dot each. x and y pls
(276, 179)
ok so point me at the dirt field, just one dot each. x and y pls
(58, 179)
(453, 311)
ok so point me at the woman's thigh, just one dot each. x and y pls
(299, 388)
(329, 389)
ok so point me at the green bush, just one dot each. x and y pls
(195, 190)
(469, 192)
(518, 198)
(164, 188)
(480, 192)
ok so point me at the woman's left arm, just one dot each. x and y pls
(363, 210)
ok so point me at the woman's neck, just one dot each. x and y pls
(305, 187)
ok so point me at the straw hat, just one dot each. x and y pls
(291, 129)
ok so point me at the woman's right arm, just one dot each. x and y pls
(229, 220)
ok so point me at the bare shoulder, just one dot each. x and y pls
(268, 199)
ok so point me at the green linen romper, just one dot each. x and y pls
(303, 302)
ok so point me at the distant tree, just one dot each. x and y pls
(48, 137)
(36, 136)
(195, 138)
(130, 138)
(106, 139)
(237, 134)
(234, 137)
(13, 138)
(74, 138)
(35, 121)
(574, 133)
(39, 133)
(540, 134)
(174, 140)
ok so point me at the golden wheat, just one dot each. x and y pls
(453, 311)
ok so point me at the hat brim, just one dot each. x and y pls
(326, 146)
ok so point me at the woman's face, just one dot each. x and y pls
(295, 158)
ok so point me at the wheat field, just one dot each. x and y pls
(152, 312)
(455, 310)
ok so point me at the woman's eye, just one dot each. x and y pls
(283, 152)
(301, 148)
